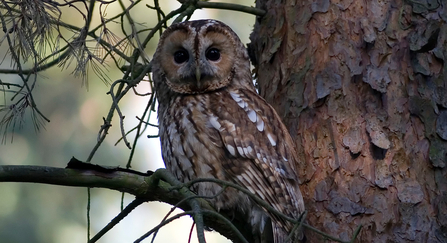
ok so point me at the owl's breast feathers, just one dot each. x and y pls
(233, 135)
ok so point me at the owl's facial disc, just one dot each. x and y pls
(199, 59)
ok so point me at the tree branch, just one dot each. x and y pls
(119, 181)
(147, 186)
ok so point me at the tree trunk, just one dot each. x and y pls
(361, 86)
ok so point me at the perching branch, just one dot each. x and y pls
(144, 186)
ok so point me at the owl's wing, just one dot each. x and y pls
(260, 151)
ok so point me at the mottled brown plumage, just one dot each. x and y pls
(213, 124)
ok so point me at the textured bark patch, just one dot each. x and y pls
(384, 177)
(369, 35)
(423, 108)
(327, 81)
(438, 152)
(378, 136)
(424, 38)
(409, 191)
(353, 140)
(339, 204)
(392, 65)
(321, 191)
(377, 78)
(441, 124)
(320, 6)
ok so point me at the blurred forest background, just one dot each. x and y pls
(44, 213)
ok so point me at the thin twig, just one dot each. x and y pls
(231, 6)
(129, 208)
(139, 132)
(167, 221)
(120, 114)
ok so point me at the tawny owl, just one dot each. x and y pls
(213, 124)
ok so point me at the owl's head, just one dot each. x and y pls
(198, 56)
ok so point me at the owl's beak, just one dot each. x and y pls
(198, 74)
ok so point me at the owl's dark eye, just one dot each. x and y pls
(181, 56)
(212, 54)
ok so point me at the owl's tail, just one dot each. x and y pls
(268, 230)
(280, 235)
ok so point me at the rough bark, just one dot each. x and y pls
(361, 86)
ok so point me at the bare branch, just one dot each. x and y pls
(144, 186)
